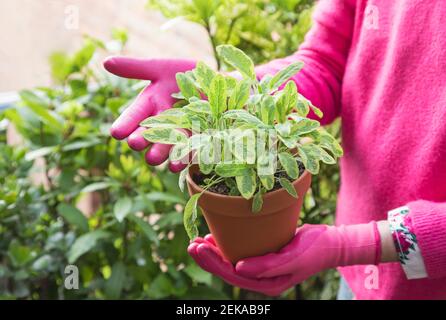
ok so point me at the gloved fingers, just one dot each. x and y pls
(157, 154)
(140, 109)
(176, 166)
(210, 260)
(146, 69)
(136, 140)
(133, 68)
(268, 265)
(285, 261)
(210, 238)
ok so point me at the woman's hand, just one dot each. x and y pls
(313, 249)
(154, 99)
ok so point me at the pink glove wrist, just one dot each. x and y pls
(361, 244)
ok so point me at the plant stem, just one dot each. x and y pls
(213, 44)
(124, 241)
(231, 27)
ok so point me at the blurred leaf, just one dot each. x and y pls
(162, 196)
(85, 243)
(120, 34)
(83, 144)
(83, 56)
(96, 186)
(199, 275)
(19, 254)
(122, 208)
(43, 263)
(41, 108)
(146, 228)
(161, 287)
(78, 87)
(116, 282)
(60, 66)
(73, 216)
(38, 153)
(169, 220)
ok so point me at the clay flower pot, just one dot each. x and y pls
(240, 233)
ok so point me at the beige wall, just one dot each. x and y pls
(31, 29)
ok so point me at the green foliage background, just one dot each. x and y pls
(133, 245)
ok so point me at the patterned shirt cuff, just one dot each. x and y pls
(406, 243)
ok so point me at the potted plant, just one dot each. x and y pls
(250, 155)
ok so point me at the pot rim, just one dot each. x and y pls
(218, 195)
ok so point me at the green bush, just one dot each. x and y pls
(132, 244)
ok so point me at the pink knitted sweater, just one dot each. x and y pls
(381, 66)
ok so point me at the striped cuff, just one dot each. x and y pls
(406, 243)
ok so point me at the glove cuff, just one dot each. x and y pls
(360, 244)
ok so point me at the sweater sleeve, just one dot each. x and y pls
(324, 52)
(428, 221)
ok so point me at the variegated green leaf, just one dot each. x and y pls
(240, 95)
(231, 169)
(204, 76)
(316, 110)
(287, 100)
(303, 125)
(182, 178)
(167, 120)
(283, 129)
(179, 151)
(285, 74)
(190, 216)
(244, 116)
(231, 83)
(199, 140)
(237, 59)
(165, 135)
(265, 83)
(257, 202)
(267, 109)
(325, 156)
(289, 163)
(302, 106)
(199, 106)
(288, 186)
(267, 182)
(309, 158)
(266, 163)
(290, 142)
(247, 184)
(187, 85)
(206, 158)
(217, 95)
(328, 142)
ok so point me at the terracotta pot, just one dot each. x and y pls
(240, 233)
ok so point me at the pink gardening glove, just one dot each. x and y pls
(154, 99)
(314, 248)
